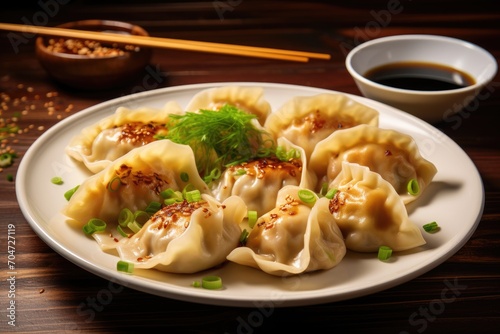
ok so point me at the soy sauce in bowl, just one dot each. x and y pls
(419, 76)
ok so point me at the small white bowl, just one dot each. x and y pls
(431, 106)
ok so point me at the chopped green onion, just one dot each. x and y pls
(97, 224)
(413, 187)
(384, 253)
(324, 189)
(184, 177)
(141, 216)
(178, 196)
(331, 193)
(187, 188)
(243, 236)
(122, 232)
(125, 217)
(134, 226)
(167, 193)
(196, 284)
(94, 225)
(281, 153)
(57, 180)
(153, 207)
(252, 218)
(11, 128)
(6, 159)
(431, 227)
(124, 266)
(68, 194)
(307, 196)
(292, 154)
(211, 282)
(171, 196)
(10, 177)
(169, 201)
(284, 155)
(193, 196)
(87, 229)
(114, 184)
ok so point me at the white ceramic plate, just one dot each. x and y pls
(455, 199)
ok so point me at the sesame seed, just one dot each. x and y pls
(87, 48)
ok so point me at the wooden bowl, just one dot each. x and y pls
(93, 70)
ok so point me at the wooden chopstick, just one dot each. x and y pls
(148, 41)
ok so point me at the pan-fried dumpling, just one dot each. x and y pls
(99, 144)
(369, 212)
(293, 238)
(305, 120)
(186, 237)
(249, 99)
(134, 181)
(258, 181)
(392, 154)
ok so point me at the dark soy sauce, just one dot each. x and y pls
(419, 76)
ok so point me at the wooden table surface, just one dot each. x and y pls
(54, 295)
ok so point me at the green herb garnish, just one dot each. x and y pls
(217, 137)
